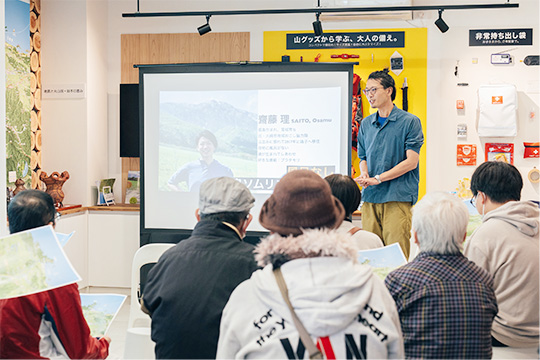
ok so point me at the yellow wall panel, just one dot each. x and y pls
(371, 59)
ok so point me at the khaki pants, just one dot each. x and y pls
(391, 221)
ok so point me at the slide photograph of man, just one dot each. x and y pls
(204, 135)
(196, 172)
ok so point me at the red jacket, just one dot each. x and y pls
(48, 324)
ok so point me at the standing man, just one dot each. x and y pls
(190, 284)
(507, 246)
(389, 143)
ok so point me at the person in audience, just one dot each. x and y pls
(346, 190)
(389, 143)
(48, 324)
(506, 245)
(446, 303)
(196, 172)
(343, 306)
(190, 284)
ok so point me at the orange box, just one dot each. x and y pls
(460, 104)
(466, 154)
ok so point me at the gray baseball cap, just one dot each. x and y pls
(224, 194)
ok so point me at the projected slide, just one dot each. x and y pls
(254, 136)
(251, 122)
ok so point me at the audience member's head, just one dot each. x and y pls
(226, 199)
(30, 209)
(385, 79)
(301, 200)
(439, 223)
(346, 190)
(499, 181)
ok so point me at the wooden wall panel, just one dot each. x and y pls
(139, 49)
(35, 84)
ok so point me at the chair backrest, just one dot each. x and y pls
(146, 254)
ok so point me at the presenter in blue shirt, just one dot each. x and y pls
(197, 172)
(389, 143)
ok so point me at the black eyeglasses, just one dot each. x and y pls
(373, 90)
(473, 201)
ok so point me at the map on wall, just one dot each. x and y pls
(33, 261)
(18, 96)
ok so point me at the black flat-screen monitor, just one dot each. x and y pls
(129, 120)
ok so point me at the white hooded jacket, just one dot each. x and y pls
(346, 309)
(507, 246)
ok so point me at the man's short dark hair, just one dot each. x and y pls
(233, 218)
(30, 209)
(207, 135)
(346, 190)
(500, 181)
(385, 79)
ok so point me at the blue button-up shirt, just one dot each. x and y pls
(383, 147)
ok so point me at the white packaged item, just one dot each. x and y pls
(497, 110)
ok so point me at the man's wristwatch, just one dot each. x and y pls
(378, 178)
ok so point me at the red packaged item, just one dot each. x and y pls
(500, 152)
(466, 154)
(532, 150)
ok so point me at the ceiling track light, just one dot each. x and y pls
(203, 29)
(361, 10)
(317, 26)
(441, 24)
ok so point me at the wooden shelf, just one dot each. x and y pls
(119, 207)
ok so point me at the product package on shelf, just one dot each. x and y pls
(133, 190)
(105, 192)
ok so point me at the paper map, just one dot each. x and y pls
(33, 261)
(100, 310)
(383, 260)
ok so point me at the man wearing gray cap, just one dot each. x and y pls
(189, 286)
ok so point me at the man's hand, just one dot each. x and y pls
(360, 180)
(370, 181)
(366, 181)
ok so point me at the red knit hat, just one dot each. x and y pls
(301, 200)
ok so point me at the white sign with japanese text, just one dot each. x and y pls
(64, 91)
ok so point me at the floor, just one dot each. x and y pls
(118, 328)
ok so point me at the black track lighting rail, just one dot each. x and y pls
(322, 10)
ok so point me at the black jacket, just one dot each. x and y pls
(189, 286)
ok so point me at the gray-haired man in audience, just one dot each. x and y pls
(446, 303)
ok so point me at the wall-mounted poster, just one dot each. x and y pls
(500, 152)
(18, 98)
(466, 154)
